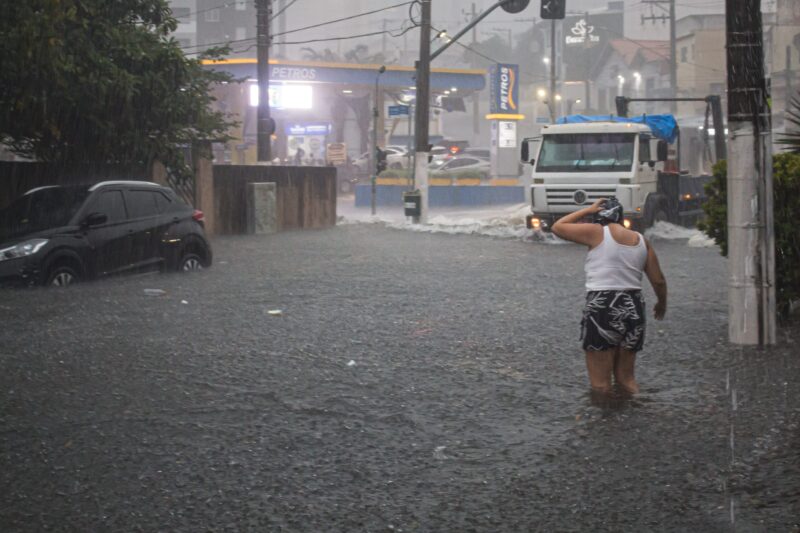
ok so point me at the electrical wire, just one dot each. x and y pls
(287, 6)
(343, 19)
(351, 17)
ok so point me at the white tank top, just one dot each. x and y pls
(614, 266)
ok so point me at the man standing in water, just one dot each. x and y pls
(613, 325)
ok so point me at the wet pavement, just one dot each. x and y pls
(410, 382)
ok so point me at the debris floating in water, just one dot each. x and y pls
(275, 312)
(155, 292)
(351, 363)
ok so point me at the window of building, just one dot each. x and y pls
(241, 33)
(212, 15)
(241, 5)
(692, 52)
(684, 52)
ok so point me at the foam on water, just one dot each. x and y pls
(505, 222)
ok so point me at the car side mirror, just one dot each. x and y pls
(532, 161)
(652, 164)
(524, 154)
(94, 219)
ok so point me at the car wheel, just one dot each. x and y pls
(62, 275)
(190, 262)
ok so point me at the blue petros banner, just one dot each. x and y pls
(322, 128)
(504, 86)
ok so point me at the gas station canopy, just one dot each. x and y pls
(352, 74)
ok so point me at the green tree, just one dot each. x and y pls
(791, 139)
(101, 81)
(786, 205)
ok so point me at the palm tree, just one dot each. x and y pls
(791, 139)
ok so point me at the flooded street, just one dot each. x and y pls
(370, 379)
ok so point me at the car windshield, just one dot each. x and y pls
(42, 209)
(586, 152)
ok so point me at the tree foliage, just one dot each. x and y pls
(786, 206)
(791, 139)
(101, 81)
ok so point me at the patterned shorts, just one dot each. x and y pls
(613, 318)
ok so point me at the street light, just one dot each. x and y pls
(374, 152)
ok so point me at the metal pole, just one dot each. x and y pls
(751, 243)
(551, 98)
(476, 125)
(588, 95)
(673, 63)
(423, 109)
(373, 158)
(264, 124)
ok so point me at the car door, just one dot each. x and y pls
(146, 226)
(110, 241)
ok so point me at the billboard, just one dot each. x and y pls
(584, 39)
(504, 88)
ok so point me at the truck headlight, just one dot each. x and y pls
(22, 249)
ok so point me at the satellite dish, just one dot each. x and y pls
(515, 6)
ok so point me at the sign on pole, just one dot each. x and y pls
(504, 88)
(336, 153)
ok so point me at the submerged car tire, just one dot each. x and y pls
(62, 275)
(190, 262)
(195, 257)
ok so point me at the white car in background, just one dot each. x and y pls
(395, 158)
(460, 163)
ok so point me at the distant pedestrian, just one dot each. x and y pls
(613, 325)
(298, 156)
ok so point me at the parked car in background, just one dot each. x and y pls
(459, 164)
(395, 158)
(475, 151)
(58, 235)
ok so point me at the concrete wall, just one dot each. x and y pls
(306, 196)
(443, 196)
(17, 177)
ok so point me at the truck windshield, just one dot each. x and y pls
(586, 152)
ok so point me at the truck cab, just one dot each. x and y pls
(572, 165)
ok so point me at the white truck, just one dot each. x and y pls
(573, 164)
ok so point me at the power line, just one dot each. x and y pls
(351, 17)
(287, 6)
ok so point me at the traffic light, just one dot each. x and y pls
(553, 9)
(380, 160)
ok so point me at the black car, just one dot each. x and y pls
(58, 235)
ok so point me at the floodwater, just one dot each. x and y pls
(409, 382)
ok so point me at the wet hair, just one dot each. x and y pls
(612, 212)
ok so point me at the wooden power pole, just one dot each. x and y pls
(265, 126)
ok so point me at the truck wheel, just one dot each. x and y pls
(655, 210)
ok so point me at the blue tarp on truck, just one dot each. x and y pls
(663, 126)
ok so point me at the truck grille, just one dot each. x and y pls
(566, 196)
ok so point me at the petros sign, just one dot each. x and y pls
(504, 88)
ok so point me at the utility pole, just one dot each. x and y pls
(751, 241)
(373, 160)
(265, 126)
(673, 59)
(423, 109)
(588, 45)
(476, 125)
(552, 96)
(282, 28)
